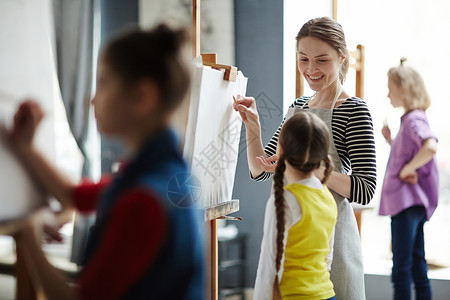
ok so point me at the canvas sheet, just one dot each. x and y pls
(213, 133)
(27, 71)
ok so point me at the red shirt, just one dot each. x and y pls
(122, 256)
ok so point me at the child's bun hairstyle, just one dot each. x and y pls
(155, 54)
(304, 141)
(415, 95)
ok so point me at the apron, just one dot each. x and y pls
(347, 273)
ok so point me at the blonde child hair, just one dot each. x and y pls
(414, 93)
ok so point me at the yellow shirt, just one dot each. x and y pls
(305, 274)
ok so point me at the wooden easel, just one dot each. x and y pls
(25, 289)
(220, 211)
(211, 214)
(358, 64)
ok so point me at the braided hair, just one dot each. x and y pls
(304, 140)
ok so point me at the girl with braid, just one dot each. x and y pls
(299, 222)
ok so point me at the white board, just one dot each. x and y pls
(18, 194)
(28, 71)
(213, 132)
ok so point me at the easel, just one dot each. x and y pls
(220, 211)
(358, 57)
(25, 289)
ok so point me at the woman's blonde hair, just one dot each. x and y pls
(330, 32)
(414, 93)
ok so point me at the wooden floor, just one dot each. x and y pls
(378, 286)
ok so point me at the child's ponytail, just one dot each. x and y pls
(414, 94)
(279, 210)
(328, 169)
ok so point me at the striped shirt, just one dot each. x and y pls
(353, 136)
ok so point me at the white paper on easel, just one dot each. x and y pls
(28, 71)
(18, 193)
(213, 132)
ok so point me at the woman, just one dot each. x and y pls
(323, 61)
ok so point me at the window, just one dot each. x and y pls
(390, 30)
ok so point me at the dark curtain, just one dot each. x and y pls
(74, 46)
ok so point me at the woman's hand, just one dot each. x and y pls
(386, 133)
(267, 163)
(408, 174)
(26, 120)
(246, 106)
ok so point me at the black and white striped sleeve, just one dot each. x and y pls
(360, 146)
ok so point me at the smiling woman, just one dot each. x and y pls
(323, 61)
(320, 65)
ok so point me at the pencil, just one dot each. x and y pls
(235, 101)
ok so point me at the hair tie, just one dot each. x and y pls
(402, 60)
